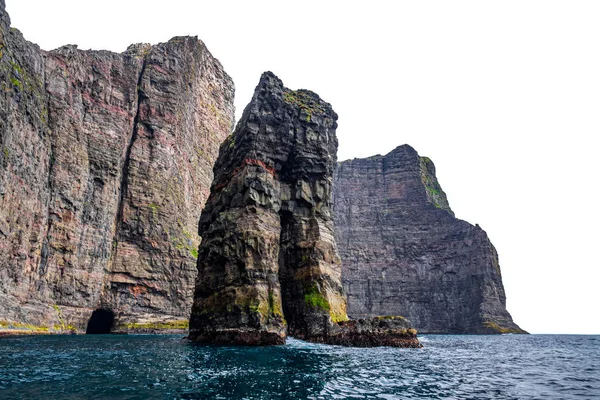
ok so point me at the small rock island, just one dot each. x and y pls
(268, 264)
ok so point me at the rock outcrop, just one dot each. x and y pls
(106, 161)
(268, 264)
(404, 253)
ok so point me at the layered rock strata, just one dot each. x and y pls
(106, 159)
(268, 264)
(404, 253)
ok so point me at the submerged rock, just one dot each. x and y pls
(105, 161)
(268, 264)
(404, 252)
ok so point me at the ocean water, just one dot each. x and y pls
(167, 367)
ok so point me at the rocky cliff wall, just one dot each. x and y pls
(404, 253)
(106, 161)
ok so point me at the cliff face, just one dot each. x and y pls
(106, 159)
(404, 253)
(268, 264)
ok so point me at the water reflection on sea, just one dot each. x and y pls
(167, 367)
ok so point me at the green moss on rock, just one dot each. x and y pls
(154, 209)
(315, 299)
(493, 327)
(22, 326)
(274, 306)
(390, 317)
(435, 194)
(337, 317)
(179, 324)
(16, 83)
(304, 100)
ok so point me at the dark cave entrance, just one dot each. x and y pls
(101, 322)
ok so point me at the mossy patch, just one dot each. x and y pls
(16, 83)
(23, 81)
(21, 326)
(230, 141)
(186, 242)
(303, 100)
(255, 306)
(154, 209)
(63, 325)
(315, 299)
(337, 317)
(500, 329)
(435, 194)
(390, 317)
(179, 324)
(274, 306)
(184, 231)
(16, 68)
(60, 327)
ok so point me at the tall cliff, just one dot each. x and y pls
(404, 253)
(106, 161)
(268, 264)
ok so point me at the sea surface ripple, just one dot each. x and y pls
(168, 367)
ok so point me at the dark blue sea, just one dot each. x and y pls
(167, 367)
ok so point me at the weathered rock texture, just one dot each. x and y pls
(404, 252)
(268, 264)
(106, 161)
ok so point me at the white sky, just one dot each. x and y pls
(504, 96)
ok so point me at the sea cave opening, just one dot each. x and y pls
(101, 322)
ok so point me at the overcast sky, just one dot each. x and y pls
(503, 96)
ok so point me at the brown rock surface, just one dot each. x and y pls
(268, 264)
(106, 159)
(404, 252)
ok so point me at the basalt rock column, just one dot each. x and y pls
(267, 222)
(268, 256)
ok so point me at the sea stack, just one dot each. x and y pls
(404, 252)
(268, 264)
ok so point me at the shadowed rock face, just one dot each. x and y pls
(106, 159)
(268, 261)
(404, 252)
